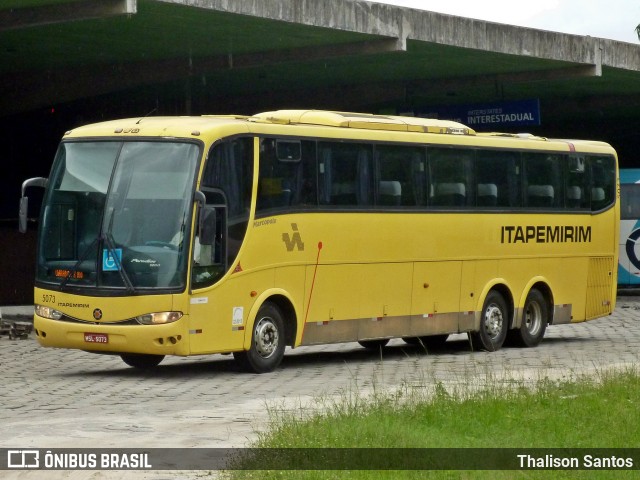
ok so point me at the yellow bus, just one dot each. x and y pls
(244, 235)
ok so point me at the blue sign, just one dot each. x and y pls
(109, 261)
(489, 116)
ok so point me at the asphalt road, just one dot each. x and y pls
(55, 398)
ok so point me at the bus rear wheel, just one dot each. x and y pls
(141, 361)
(534, 321)
(493, 324)
(267, 342)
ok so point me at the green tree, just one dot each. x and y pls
(638, 31)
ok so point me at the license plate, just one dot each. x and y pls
(96, 338)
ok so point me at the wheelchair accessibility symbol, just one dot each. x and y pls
(110, 262)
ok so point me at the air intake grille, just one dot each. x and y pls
(599, 287)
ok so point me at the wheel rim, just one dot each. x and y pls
(533, 318)
(266, 337)
(493, 321)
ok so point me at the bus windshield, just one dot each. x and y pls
(116, 215)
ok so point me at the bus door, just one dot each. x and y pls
(217, 314)
(210, 241)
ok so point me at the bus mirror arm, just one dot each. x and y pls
(24, 200)
(199, 198)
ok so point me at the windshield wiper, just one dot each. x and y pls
(108, 238)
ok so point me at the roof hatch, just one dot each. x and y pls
(362, 120)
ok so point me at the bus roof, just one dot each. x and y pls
(180, 127)
(195, 126)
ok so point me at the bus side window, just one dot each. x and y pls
(287, 182)
(307, 195)
(324, 175)
(576, 182)
(230, 168)
(400, 175)
(451, 172)
(543, 180)
(497, 176)
(345, 174)
(603, 181)
(278, 179)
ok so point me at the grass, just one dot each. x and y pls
(602, 411)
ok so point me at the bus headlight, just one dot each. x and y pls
(48, 312)
(158, 318)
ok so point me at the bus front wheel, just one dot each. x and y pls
(535, 315)
(493, 324)
(267, 342)
(141, 361)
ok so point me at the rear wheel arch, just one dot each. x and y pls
(287, 308)
(289, 317)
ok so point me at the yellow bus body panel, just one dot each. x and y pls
(370, 269)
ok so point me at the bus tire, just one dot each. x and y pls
(141, 361)
(267, 342)
(494, 323)
(374, 344)
(535, 315)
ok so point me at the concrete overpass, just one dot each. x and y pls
(244, 55)
(66, 62)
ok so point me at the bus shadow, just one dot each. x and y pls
(568, 340)
(224, 365)
(361, 354)
(192, 367)
(172, 367)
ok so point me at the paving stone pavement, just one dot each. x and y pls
(53, 398)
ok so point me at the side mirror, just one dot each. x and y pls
(24, 200)
(207, 227)
(22, 214)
